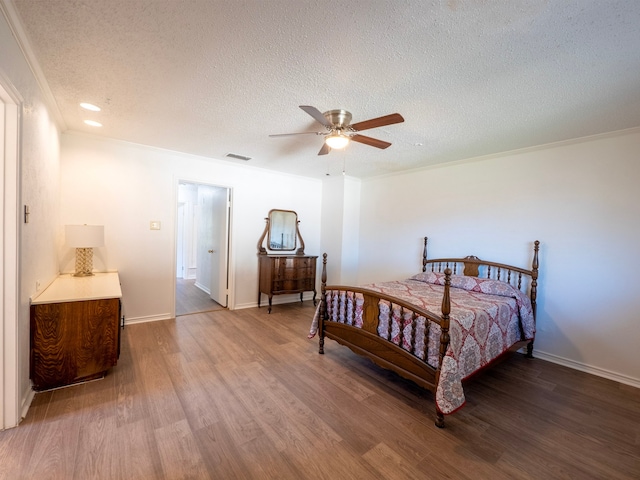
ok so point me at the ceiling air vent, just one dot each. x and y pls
(238, 157)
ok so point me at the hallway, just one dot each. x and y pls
(190, 299)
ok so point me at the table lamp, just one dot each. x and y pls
(84, 238)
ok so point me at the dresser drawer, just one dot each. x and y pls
(286, 274)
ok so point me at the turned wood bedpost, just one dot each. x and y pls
(444, 337)
(534, 289)
(424, 255)
(323, 304)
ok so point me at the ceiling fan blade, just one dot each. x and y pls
(317, 114)
(378, 122)
(374, 142)
(299, 133)
(325, 149)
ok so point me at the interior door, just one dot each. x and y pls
(213, 234)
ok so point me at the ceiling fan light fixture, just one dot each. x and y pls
(337, 141)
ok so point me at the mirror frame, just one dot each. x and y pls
(267, 233)
(281, 234)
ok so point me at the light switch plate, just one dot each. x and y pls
(155, 225)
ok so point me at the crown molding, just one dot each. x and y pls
(13, 20)
(518, 151)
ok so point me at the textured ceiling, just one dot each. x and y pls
(211, 77)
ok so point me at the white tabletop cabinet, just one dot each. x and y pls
(75, 330)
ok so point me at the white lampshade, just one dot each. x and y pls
(84, 236)
(337, 141)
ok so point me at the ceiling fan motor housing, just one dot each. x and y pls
(338, 118)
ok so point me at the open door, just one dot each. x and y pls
(216, 204)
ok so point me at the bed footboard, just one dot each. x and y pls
(405, 350)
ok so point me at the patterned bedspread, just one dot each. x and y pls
(487, 317)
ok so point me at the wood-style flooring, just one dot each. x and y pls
(245, 395)
(190, 299)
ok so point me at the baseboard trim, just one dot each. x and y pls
(26, 403)
(202, 287)
(599, 372)
(149, 318)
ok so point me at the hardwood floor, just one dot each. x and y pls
(244, 394)
(190, 299)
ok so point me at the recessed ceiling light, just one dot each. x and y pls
(93, 123)
(90, 106)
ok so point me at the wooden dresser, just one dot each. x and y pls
(281, 274)
(75, 330)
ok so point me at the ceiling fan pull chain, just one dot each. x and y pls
(344, 163)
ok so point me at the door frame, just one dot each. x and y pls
(10, 132)
(230, 276)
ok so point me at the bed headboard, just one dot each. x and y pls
(472, 266)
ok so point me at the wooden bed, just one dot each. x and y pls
(418, 344)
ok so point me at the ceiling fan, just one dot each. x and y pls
(340, 131)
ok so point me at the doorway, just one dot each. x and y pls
(202, 248)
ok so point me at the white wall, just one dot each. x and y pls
(340, 228)
(580, 199)
(332, 221)
(39, 189)
(124, 186)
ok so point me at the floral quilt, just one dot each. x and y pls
(487, 317)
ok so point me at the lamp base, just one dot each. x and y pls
(84, 262)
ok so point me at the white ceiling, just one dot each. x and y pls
(208, 77)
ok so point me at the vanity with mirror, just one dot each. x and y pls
(283, 266)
